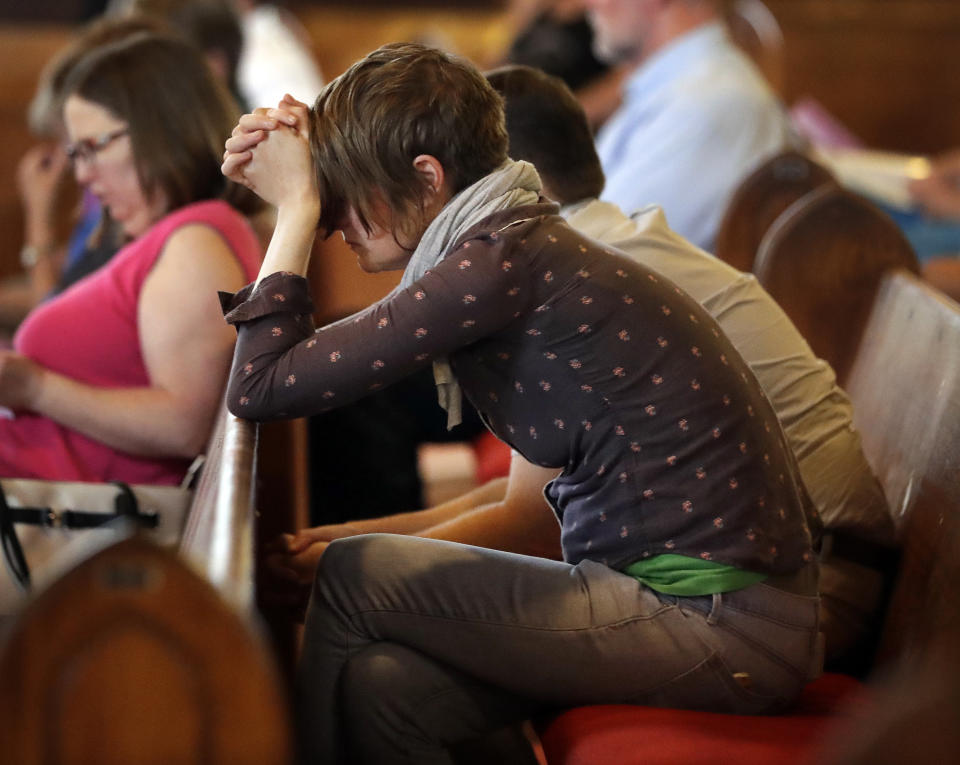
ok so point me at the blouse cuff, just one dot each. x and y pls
(281, 292)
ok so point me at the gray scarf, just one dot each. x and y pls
(510, 185)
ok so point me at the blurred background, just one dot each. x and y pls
(884, 70)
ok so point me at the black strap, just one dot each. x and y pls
(12, 551)
(125, 506)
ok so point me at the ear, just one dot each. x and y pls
(432, 172)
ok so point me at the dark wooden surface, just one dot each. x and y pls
(822, 260)
(145, 655)
(759, 199)
(219, 533)
(905, 386)
(886, 68)
(132, 658)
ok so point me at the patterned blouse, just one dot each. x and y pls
(576, 356)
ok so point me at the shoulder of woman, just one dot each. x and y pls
(198, 255)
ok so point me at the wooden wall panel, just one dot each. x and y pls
(24, 49)
(886, 68)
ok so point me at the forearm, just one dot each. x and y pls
(292, 240)
(498, 526)
(283, 369)
(418, 521)
(148, 422)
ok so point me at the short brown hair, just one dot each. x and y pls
(548, 127)
(178, 115)
(400, 101)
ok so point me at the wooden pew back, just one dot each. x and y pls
(141, 654)
(822, 261)
(218, 535)
(905, 387)
(759, 199)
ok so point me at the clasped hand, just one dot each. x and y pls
(269, 153)
(291, 562)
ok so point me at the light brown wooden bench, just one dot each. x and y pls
(759, 199)
(822, 260)
(142, 654)
(905, 386)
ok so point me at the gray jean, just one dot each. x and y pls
(413, 646)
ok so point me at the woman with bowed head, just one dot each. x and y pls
(689, 577)
(119, 377)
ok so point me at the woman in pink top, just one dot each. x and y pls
(119, 377)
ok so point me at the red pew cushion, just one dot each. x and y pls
(619, 734)
(493, 457)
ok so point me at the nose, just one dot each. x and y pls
(82, 169)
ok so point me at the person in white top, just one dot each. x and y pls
(276, 57)
(547, 126)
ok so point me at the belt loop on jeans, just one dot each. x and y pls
(714, 616)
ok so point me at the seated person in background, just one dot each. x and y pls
(213, 26)
(939, 197)
(697, 115)
(277, 55)
(546, 126)
(680, 503)
(51, 265)
(119, 377)
(555, 36)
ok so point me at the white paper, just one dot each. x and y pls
(880, 175)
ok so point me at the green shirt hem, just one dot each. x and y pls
(682, 575)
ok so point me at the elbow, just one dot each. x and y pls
(194, 444)
(186, 439)
(243, 403)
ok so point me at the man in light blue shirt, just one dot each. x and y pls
(697, 116)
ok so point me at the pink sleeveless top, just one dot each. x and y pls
(90, 333)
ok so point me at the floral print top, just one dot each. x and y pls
(576, 356)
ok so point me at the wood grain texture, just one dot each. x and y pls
(822, 260)
(133, 658)
(905, 386)
(759, 199)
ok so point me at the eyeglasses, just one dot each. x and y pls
(88, 148)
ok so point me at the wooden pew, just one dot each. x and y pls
(822, 260)
(905, 385)
(141, 654)
(759, 199)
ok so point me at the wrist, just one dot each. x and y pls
(31, 254)
(305, 210)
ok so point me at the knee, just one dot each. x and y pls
(352, 556)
